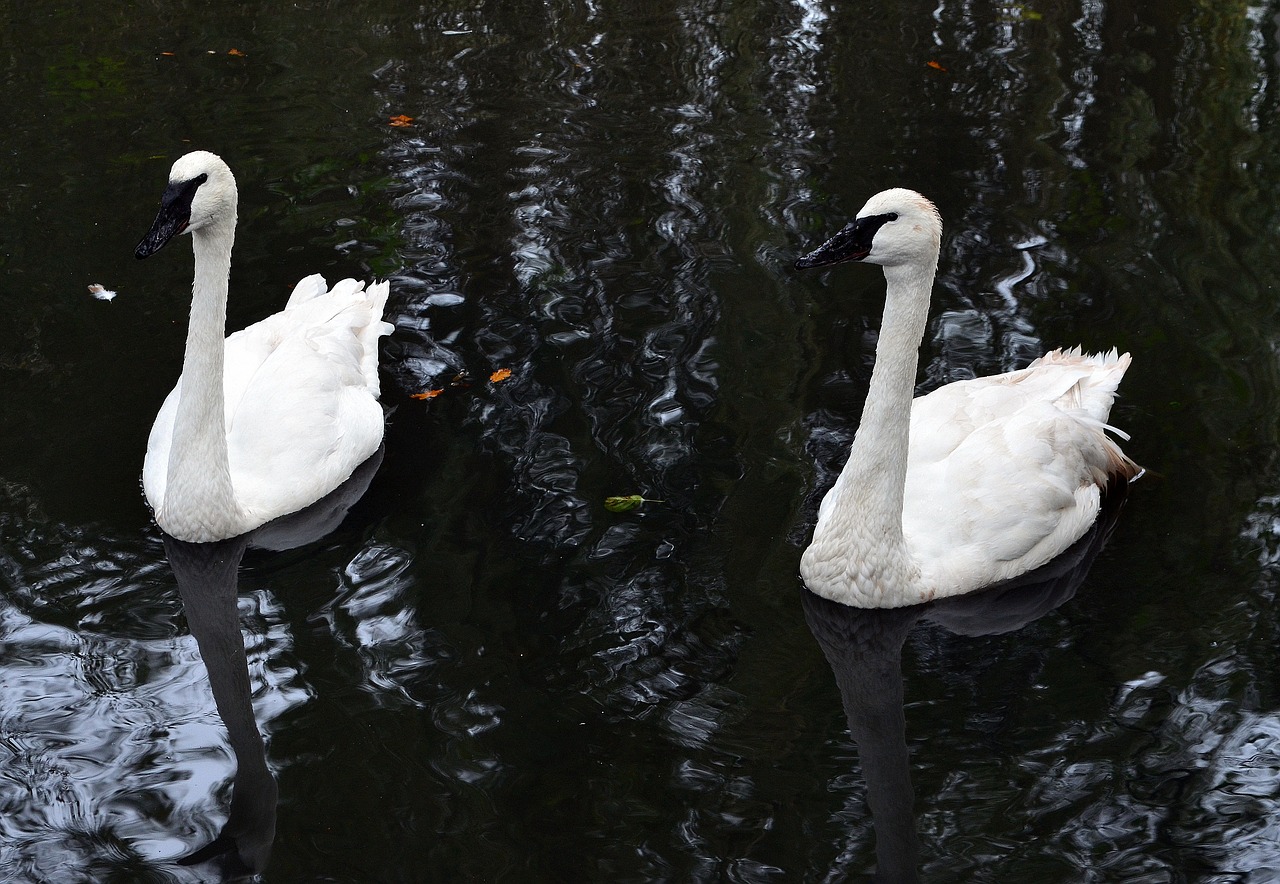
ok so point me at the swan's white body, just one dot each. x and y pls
(274, 417)
(974, 483)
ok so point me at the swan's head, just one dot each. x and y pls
(201, 193)
(894, 228)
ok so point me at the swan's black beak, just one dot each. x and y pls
(853, 243)
(173, 218)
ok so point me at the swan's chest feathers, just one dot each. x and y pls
(852, 562)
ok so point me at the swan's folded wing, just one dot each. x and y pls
(346, 318)
(303, 424)
(302, 388)
(308, 288)
(343, 324)
(1004, 472)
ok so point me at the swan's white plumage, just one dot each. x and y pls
(985, 480)
(300, 401)
(993, 444)
(299, 394)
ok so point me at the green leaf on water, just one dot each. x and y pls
(626, 504)
(1013, 12)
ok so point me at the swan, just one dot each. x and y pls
(277, 415)
(977, 482)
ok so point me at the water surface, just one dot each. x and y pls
(484, 674)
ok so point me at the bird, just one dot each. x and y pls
(972, 484)
(272, 418)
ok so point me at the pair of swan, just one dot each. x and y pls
(977, 482)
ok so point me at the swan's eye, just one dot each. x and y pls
(891, 216)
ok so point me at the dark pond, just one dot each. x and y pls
(483, 674)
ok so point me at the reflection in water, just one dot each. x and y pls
(864, 649)
(608, 316)
(207, 580)
(206, 575)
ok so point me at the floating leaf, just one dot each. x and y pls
(627, 503)
(426, 394)
(1018, 12)
(401, 121)
(500, 375)
(235, 52)
(170, 54)
(937, 67)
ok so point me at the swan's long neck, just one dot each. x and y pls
(859, 555)
(199, 494)
(876, 472)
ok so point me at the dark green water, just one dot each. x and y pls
(484, 675)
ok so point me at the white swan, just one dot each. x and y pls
(279, 414)
(974, 483)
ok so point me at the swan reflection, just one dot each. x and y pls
(207, 577)
(864, 648)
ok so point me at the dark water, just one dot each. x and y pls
(484, 674)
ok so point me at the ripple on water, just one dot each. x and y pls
(1178, 779)
(374, 612)
(114, 755)
(105, 758)
(1219, 762)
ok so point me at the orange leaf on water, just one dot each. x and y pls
(426, 394)
(937, 67)
(235, 52)
(170, 54)
(401, 121)
(500, 375)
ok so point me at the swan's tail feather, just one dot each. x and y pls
(376, 295)
(1118, 464)
(360, 309)
(307, 289)
(1090, 398)
(1099, 377)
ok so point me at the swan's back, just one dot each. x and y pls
(363, 317)
(1005, 472)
